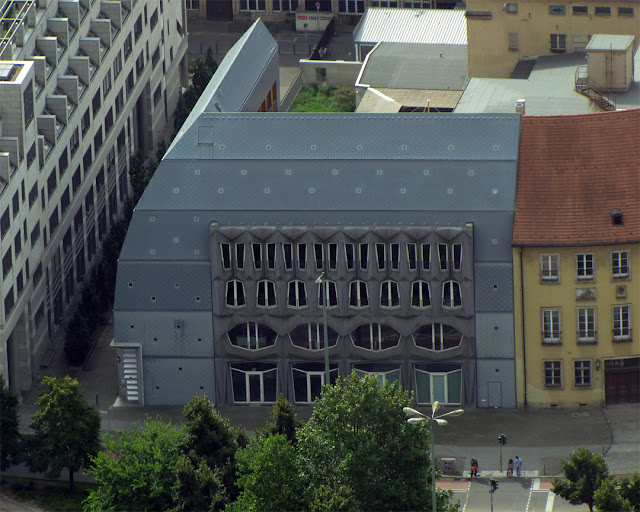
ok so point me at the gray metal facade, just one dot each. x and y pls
(285, 178)
(189, 319)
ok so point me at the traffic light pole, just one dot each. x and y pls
(500, 457)
(491, 492)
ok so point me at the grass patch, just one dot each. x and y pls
(48, 495)
(324, 98)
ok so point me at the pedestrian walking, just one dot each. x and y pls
(474, 467)
(510, 468)
(518, 466)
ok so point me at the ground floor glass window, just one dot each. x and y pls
(254, 382)
(439, 381)
(308, 379)
(383, 372)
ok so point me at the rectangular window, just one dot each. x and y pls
(318, 252)
(52, 182)
(16, 204)
(580, 10)
(193, 5)
(7, 263)
(302, 256)
(117, 65)
(35, 233)
(108, 121)
(53, 222)
(153, 21)
(287, 256)
(17, 244)
(137, 29)
(119, 102)
(106, 83)
(86, 121)
(412, 256)
(9, 302)
(333, 256)
(364, 256)
(557, 9)
(417, 4)
(457, 256)
(381, 256)
(513, 41)
(586, 325)
(622, 323)
(155, 58)
(351, 6)
(443, 256)
(97, 139)
(625, 11)
(551, 325)
(128, 46)
(426, 256)
(512, 8)
(549, 267)
(271, 256)
(130, 83)
(620, 264)
(252, 5)
(76, 180)
(395, 256)
(27, 100)
(33, 195)
(74, 141)
(603, 11)
(558, 43)
(584, 266)
(285, 5)
(582, 373)
(350, 256)
(5, 223)
(157, 95)
(64, 201)
(552, 374)
(96, 103)
(225, 250)
(256, 249)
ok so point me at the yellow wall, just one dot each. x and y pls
(488, 39)
(531, 352)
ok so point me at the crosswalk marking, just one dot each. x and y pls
(549, 506)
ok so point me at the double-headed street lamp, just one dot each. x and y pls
(325, 292)
(418, 417)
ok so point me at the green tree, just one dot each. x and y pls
(76, 343)
(137, 469)
(268, 476)
(630, 490)
(358, 437)
(66, 430)
(283, 420)
(198, 487)
(181, 114)
(584, 471)
(10, 439)
(334, 498)
(210, 437)
(607, 498)
(137, 175)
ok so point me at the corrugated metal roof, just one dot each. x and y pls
(427, 26)
(416, 66)
(609, 42)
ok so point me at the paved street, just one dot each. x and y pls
(512, 495)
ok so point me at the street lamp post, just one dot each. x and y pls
(323, 282)
(418, 417)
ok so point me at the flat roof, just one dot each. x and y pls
(427, 26)
(609, 42)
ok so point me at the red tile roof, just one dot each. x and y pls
(573, 171)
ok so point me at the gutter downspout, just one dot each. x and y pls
(524, 345)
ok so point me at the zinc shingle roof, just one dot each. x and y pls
(573, 170)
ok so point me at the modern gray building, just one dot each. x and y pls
(408, 218)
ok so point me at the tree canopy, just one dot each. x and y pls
(358, 438)
(10, 445)
(607, 498)
(584, 471)
(137, 469)
(66, 430)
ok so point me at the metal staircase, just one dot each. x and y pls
(594, 91)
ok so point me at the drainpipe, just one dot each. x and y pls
(524, 345)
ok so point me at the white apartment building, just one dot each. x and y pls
(83, 85)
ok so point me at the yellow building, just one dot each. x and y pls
(500, 34)
(577, 260)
